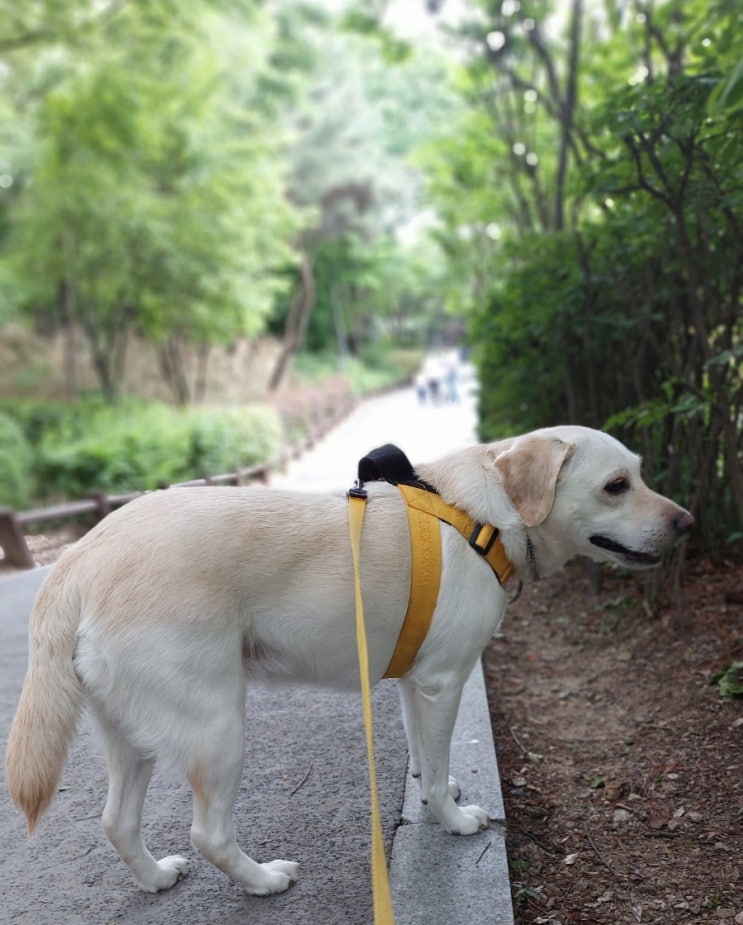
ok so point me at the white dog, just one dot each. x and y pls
(159, 616)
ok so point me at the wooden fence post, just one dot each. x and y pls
(13, 541)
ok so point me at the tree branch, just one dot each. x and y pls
(568, 110)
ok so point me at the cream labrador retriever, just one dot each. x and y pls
(163, 612)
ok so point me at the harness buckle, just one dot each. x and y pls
(475, 536)
(358, 490)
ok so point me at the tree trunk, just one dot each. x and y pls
(567, 111)
(341, 334)
(100, 352)
(171, 366)
(296, 322)
(202, 362)
(66, 298)
(102, 365)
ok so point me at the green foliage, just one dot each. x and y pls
(352, 165)
(142, 446)
(593, 193)
(728, 95)
(360, 19)
(153, 198)
(730, 681)
(36, 417)
(170, 162)
(378, 367)
(16, 479)
(521, 338)
(222, 440)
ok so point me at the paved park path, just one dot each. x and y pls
(305, 792)
(423, 431)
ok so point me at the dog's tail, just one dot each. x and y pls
(51, 699)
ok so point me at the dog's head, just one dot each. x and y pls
(580, 492)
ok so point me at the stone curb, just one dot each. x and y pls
(436, 877)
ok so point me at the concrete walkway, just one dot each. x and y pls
(305, 791)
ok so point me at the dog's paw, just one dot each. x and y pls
(167, 873)
(277, 877)
(471, 819)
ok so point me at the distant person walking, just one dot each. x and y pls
(451, 376)
(438, 379)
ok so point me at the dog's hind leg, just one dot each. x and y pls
(411, 722)
(128, 778)
(215, 779)
(436, 703)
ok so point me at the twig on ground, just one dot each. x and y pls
(303, 781)
(482, 853)
(600, 856)
(524, 751)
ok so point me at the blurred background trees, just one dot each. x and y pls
(560, 182)
(609, 139)
(147, 192)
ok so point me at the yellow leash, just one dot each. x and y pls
(425, 509)
(383, 914)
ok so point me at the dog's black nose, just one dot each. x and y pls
(682, 522)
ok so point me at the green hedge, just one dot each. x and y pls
(37, 416)
(141, 445)
(16, 464)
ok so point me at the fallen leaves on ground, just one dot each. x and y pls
(634, 812)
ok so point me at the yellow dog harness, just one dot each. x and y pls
(425, 508)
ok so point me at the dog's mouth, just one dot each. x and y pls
(630, 556)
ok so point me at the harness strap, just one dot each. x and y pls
(425, 508)
(390, 464)
(425, 578)
(483, 538)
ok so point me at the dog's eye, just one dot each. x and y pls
(617, 486)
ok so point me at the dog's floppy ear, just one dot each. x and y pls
(529, 470)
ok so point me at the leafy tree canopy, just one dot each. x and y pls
(593, 190)
(153, 197)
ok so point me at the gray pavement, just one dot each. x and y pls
(305, 790)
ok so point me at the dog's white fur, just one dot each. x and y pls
(159, 616)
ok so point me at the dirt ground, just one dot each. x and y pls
(621, 763)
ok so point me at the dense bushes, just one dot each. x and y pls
(15, 463)
(91, 446)
(632, 320)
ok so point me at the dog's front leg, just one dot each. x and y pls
(432, 708)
